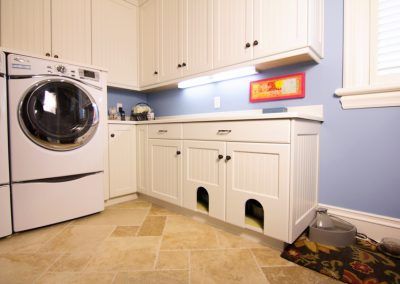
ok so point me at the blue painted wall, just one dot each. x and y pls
(126, 97)
(360, 149)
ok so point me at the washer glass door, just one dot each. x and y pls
(58, 114)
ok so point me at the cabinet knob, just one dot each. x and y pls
(178, 152)
(255, 42)
(183, 64)
(227, 158)
(47, 54)
(220, 157)
(112, 135)
(56, 56)
(247, 45)
(179, 65)
(155, 73)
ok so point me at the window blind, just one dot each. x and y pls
(388, 53)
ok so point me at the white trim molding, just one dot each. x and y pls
(374, 226)
(359, 89)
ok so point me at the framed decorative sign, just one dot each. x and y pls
(278, 88)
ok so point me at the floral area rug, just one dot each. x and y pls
(361, 263)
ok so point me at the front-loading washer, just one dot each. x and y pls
(5, 203)
(57, 140)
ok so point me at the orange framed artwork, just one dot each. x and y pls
(278, 88)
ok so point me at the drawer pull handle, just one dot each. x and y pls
(112, 135)
(178, 152)
(224, 131)
(161, 131)
(220, 157)
(227, 158)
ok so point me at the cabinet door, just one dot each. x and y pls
(25, 25)
(114, 43)
(141, 153)
(149, 42)
(232, 31)
(260, 172)
(165, 170)
(170, 47)
(279, 26)
(204, 166)
(71, 30)
(122, 159)
(197, 36)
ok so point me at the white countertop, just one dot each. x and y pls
(308, 113)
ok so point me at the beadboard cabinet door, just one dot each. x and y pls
(279, 26)
(196, 34)
(71, 32)
(261, 172)
(25, 25)
(149, 42)
(232, 32)
(165, 170)
(122, 159)
(204, 166)
(170, 48)
(115, 41)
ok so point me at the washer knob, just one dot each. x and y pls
(61, 68)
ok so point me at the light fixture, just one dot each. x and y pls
(226, 75)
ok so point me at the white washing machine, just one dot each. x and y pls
(5, 203)
(57, 140)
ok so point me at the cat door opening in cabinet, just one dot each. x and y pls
(202, 200)
(254, 214)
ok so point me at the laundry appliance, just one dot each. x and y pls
(57, 140)
(5, 203)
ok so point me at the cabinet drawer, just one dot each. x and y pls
(277, 131)
(165, 131)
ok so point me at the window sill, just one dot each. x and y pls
(369, 96)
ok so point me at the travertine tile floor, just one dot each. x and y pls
(137, 242)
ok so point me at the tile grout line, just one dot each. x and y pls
(115, 276)
(258, 266)
(48, 267)
(93, 254)
(190, 267)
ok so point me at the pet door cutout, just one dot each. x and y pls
(254, 214)
(202, 200)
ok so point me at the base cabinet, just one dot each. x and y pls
(204, 177)
(261, 175)
(165, 170)
(122, 159)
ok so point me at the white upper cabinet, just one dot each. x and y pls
(196, 30)
(149, 42)
(25, 25)
(59, 28)
(170, 48)
(71, 31)
(233, 30)
(115, 42)
(279, 26)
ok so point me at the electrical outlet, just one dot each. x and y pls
(217, 102)
(119, 105)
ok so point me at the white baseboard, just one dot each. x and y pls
(121, 199)
(374, 226)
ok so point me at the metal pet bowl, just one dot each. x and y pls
(342, 235)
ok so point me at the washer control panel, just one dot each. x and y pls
(25, 65)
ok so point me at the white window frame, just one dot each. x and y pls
(361, 87)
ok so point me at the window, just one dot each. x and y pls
(371, 73)
(385, 41)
